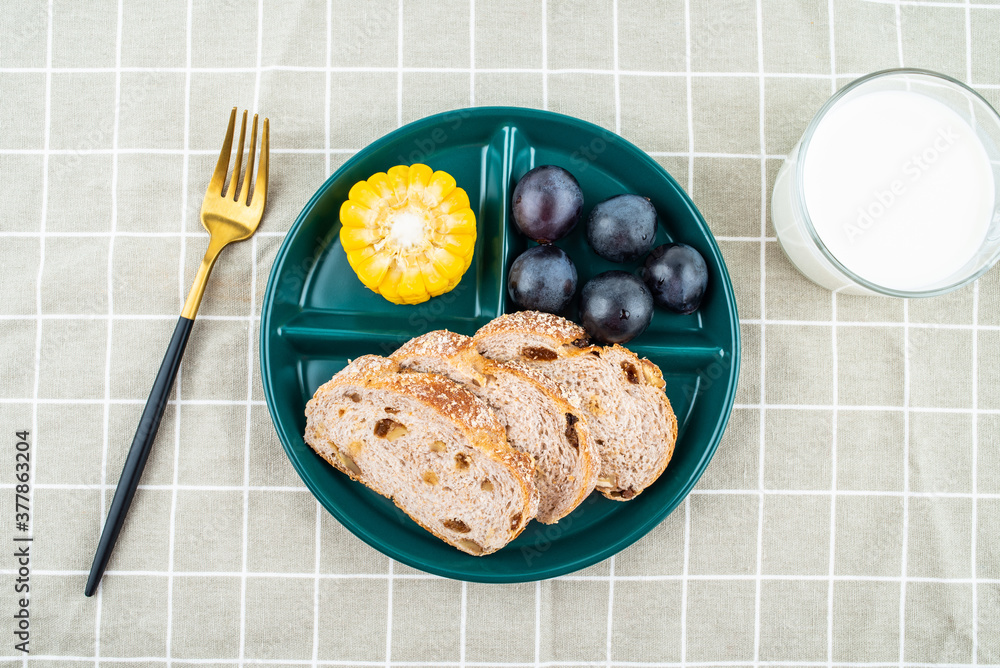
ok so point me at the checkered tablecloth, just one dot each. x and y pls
(851, 515)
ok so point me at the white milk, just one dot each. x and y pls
(899, 189)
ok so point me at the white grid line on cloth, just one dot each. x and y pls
(616, 80)
(389, 577)
(134, 235)
(456, 70)
(833, 467)
(545, 57)
(316, 581)
(162, 151)
(327, 108)
(836, 395)
(852, 323)
(846, 492)
(120, 316)
(172, 402)
(320, 151)
(472, 53)
(182, 488)
(691, 154)
(747, 577)
(494, 664)
(538, 618)
(42, 223)
(472, 102)
(412, 70)
(932, 3)
(250, 366)
(746, 321)
(399, 123)
(690, 188)
(98, 608)
(906, 481)
(899, 30)
(182, 260)
(461, 626)
(261, 402)
(399, 69)
(447, 70)
(611, 607)
(975, 402)
(344, 151)
(763, 302)
(318, 532)
(615, 69)
(202, 235)
(906, 420)
(685, 577)
(975, 475)
(501, 664)
(695, 492)
(262, 233)
(175, 477)
(545, 106)
(968, 41)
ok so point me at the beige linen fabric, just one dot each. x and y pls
(850, 516)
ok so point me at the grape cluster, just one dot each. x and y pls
(615, 306)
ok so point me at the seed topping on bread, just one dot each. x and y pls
(543, 324)
(439, 343)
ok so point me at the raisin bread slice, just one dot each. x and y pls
(621, 395)
(538, 419)
(428, 444)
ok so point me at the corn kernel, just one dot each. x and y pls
(409, 233)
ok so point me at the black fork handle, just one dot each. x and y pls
(138, 453)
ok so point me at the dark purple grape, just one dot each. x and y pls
(622, 228)
(615, 307)
(677, 276)
(542, 278)
(547, 203)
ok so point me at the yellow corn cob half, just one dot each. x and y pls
(409, 233)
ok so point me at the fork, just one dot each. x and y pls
(229, 217)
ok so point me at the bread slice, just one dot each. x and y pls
(622, 396)
(537, 417)
(431, 446)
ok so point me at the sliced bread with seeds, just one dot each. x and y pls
(538, 419)
(431, 446)
(621, 395)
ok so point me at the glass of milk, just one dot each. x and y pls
(892, 190)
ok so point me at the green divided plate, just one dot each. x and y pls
(317, 315)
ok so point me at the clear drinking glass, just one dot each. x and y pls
(877, 224)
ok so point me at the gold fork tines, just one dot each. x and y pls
(239, 155)
(228, 215)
